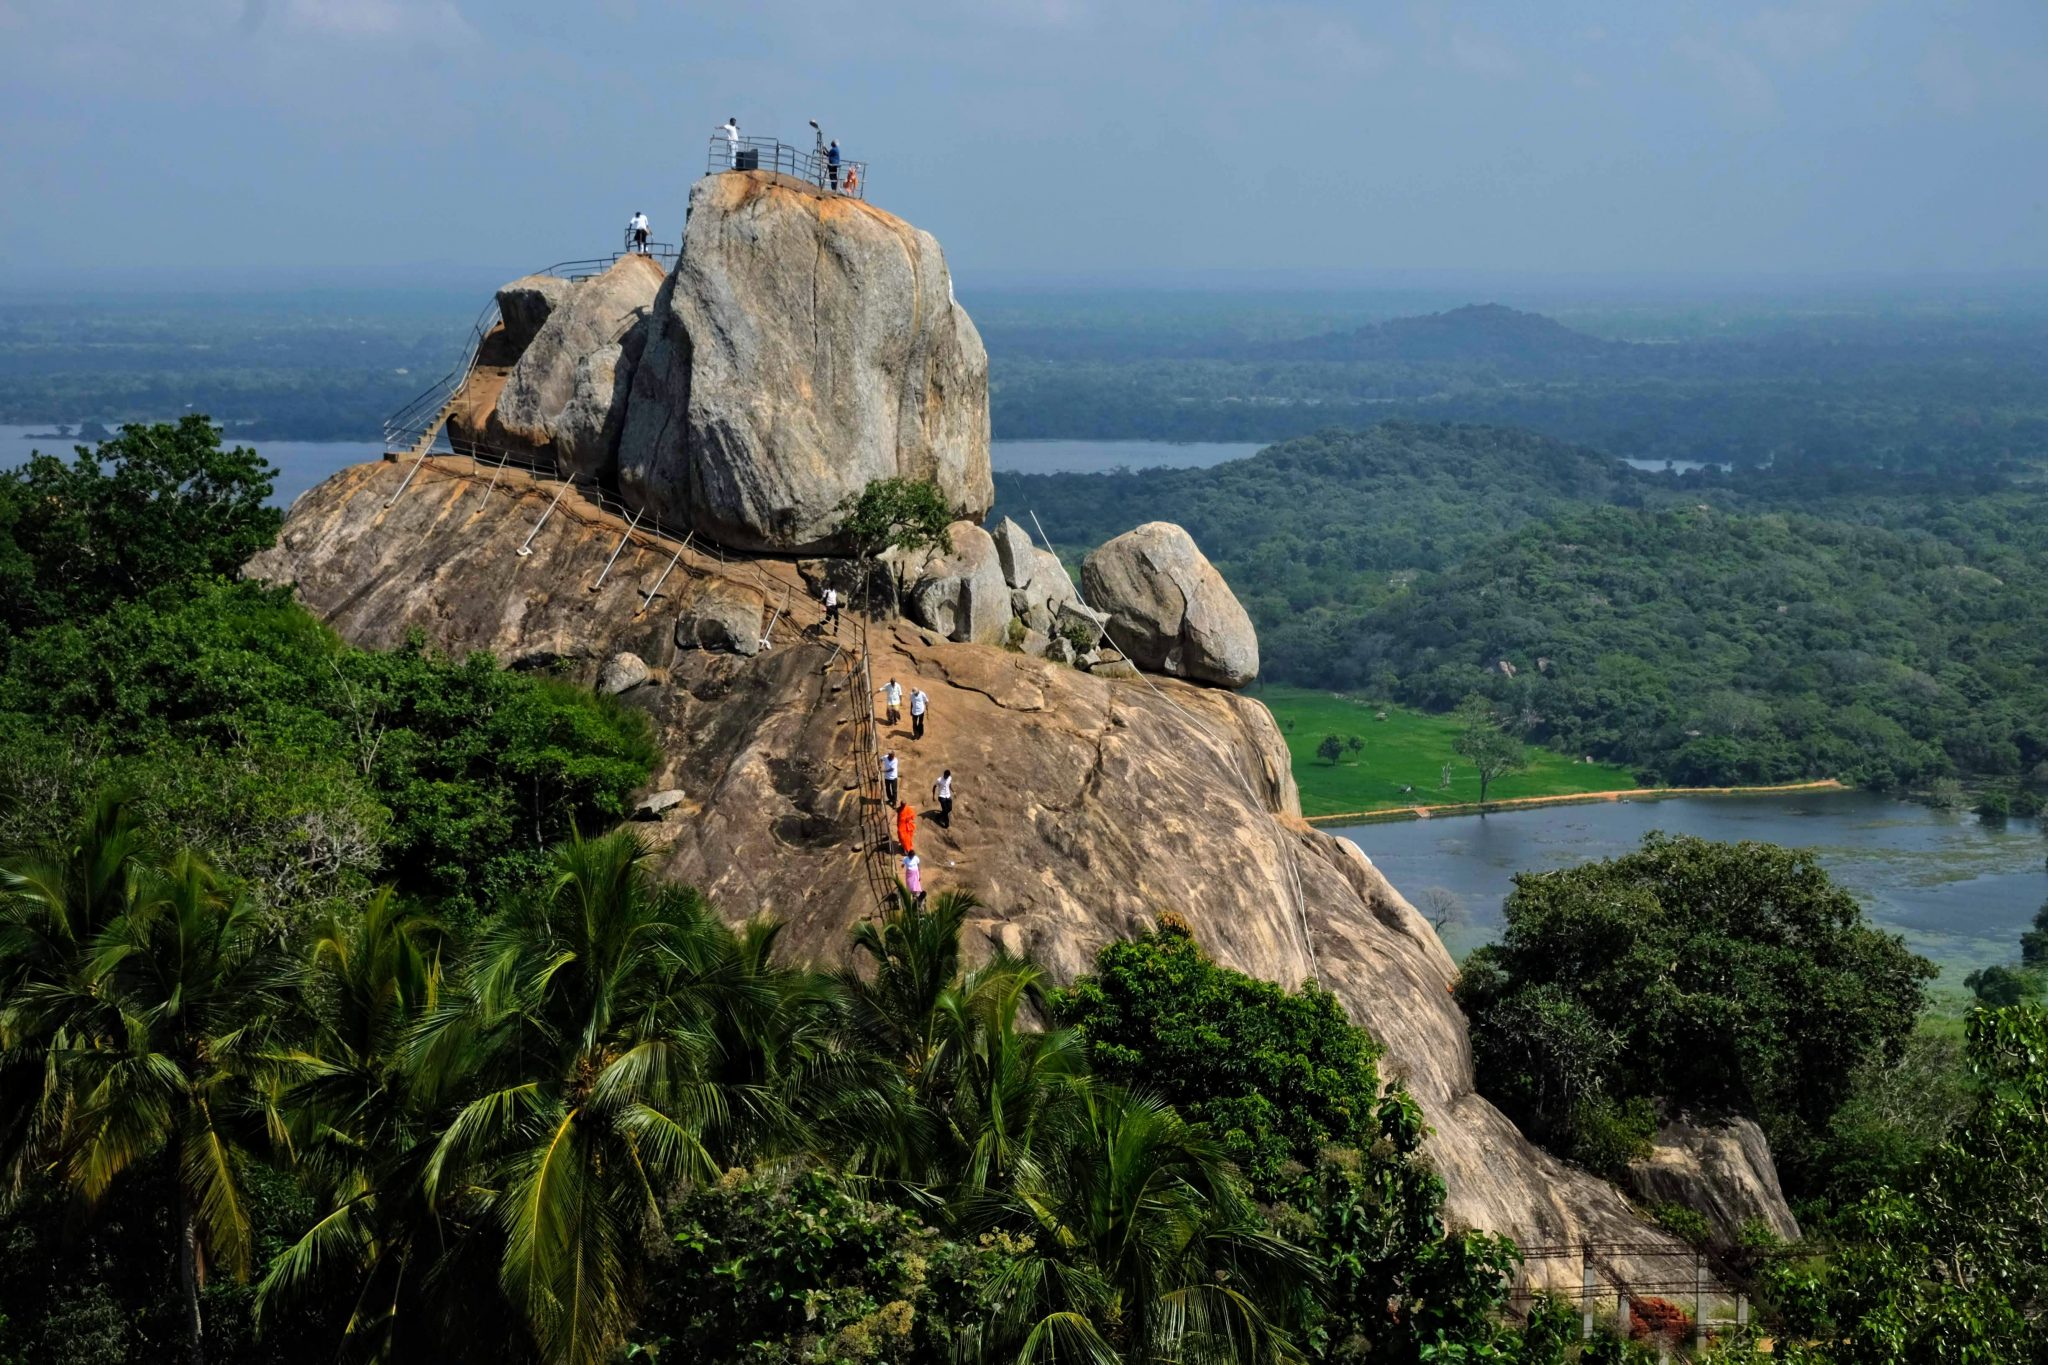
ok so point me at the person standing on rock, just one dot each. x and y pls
(918, 702)
(913, 879)
(943, 789)
(906, 826)
(892, 693)
(889, 773)
(639, 227)
(832, 164)
(732, 143)
(831, 600)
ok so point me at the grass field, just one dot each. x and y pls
(1407, 749)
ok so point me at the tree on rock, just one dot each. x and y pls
(904, 515)
(1486, 744)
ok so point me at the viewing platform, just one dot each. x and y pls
(849, 178)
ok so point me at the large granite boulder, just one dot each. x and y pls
(1722, 1171)
(962, 595)
(1088, 806)
(566, 391)
(1169, 609)
(807, 345)
(524, 307)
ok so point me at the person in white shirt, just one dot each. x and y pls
(639, 226)
(892, 693)
(889, 774)
(943, 789)
(918, 702)
(732, 143)
(831, 600)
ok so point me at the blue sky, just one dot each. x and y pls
(264, 138)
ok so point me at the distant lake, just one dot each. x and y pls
(1958, 888)
(1098, 457)
(300, 464)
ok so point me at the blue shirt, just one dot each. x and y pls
(832, 154)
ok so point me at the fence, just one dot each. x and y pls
(1667, 1292)
(849, 178)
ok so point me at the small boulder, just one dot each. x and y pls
(724, 616)
(962, 595)
(1049, 581)
(1169, 607)
(524, 307)
(1080, 622)
(656, 804)
(1722, 1170)
(621, 672)
(1035, 643)
(1013, 548)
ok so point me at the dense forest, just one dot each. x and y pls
(332, 1027)
(1708, 628)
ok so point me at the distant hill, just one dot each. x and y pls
(1488, 334)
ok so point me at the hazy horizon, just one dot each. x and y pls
(1060, 141)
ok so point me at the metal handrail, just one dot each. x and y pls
(770, 154)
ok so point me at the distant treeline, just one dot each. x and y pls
(1708, 629)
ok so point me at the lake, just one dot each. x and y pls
(300, 464)
(1959, 889)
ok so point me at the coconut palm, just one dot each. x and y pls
(1130, 1239)
(152, 1036)
(594, 1021)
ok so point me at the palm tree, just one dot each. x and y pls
(1132, 1240)
(594, 1021)
(151, 1033)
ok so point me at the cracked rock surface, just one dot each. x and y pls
(1086, 806)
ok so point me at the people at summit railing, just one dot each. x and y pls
(731, 129)
(639, 227)
(832, 164)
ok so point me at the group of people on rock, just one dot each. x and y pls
(892, 785)
(829, 161)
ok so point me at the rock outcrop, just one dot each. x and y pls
(1722, 1170)
(567, 351)
(962, 595)
(1086, 806)
(807, 345)
(1169, 609)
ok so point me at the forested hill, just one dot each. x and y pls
(1707, 629)
(1724, 648)
(1513, 343)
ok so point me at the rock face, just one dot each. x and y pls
(1169, 608)
(570, 349)
(1086, 806)
(807, 345)
(723, 615)
(1721, 1170)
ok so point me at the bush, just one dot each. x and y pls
(1705, 976)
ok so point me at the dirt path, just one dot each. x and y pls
(1356, 817)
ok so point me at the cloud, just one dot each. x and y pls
(1745, 88)
(1796, 33)
(1483, 55)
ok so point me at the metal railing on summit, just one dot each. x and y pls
(812, 166)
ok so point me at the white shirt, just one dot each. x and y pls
(894, 691)
(732, 133)
(639, 222)
(889, 767)
(831, 597)
(943, 787)
(918, 701)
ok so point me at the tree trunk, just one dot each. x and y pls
(188, 1276)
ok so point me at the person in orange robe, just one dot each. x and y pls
(906, 826)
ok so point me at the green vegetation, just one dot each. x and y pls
(1703, 631)
(1693, 976)
(1408, 749)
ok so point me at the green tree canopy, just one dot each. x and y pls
(1732, 977)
